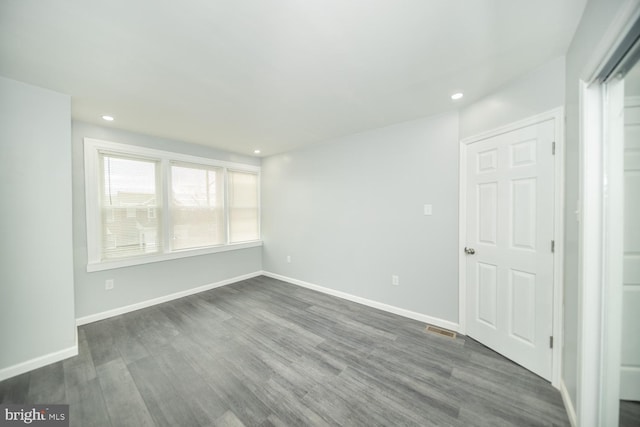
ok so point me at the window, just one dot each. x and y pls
(243, 206)
(147, 205)
(197, 211)
(129, 190)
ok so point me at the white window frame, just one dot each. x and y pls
(92, 150)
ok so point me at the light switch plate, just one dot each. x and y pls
(428, 209)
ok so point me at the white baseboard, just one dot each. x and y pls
(568, 405)
(446, 324)
(38, 362)
(148, 303)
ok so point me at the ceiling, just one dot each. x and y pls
(275, 75)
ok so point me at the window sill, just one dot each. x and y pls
(147, 259)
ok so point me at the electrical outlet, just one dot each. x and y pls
(108, 284)
(395, 280)
(289, 258)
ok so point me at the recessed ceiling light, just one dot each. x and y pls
(457, 96)
(108, 118)
(256, 151)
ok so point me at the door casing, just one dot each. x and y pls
(598, 359)
(557, 114)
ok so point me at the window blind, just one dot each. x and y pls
(197, 209)
(244, 215)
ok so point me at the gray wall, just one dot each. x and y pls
(350, 215)
(538, 91)
(36, 265)
(143, 282)
(597, 17)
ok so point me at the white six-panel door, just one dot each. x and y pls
(509, 225)
(630, 352)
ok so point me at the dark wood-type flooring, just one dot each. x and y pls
(262, 352)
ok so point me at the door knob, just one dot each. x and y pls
(469, 251)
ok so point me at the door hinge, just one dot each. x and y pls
(553, 246)
(553, 148)
(550, 342)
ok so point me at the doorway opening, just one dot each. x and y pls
(609, 345)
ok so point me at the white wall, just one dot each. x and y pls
(36, 266)
(350, 215)
(597, 17)
(538, 91)
(140, 283)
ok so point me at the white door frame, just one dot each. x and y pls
(558, 257)
(601, 254)
(597, 400)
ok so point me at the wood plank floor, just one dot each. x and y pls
(629, 414)
(266, 353)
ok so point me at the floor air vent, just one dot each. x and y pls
(442, 332)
